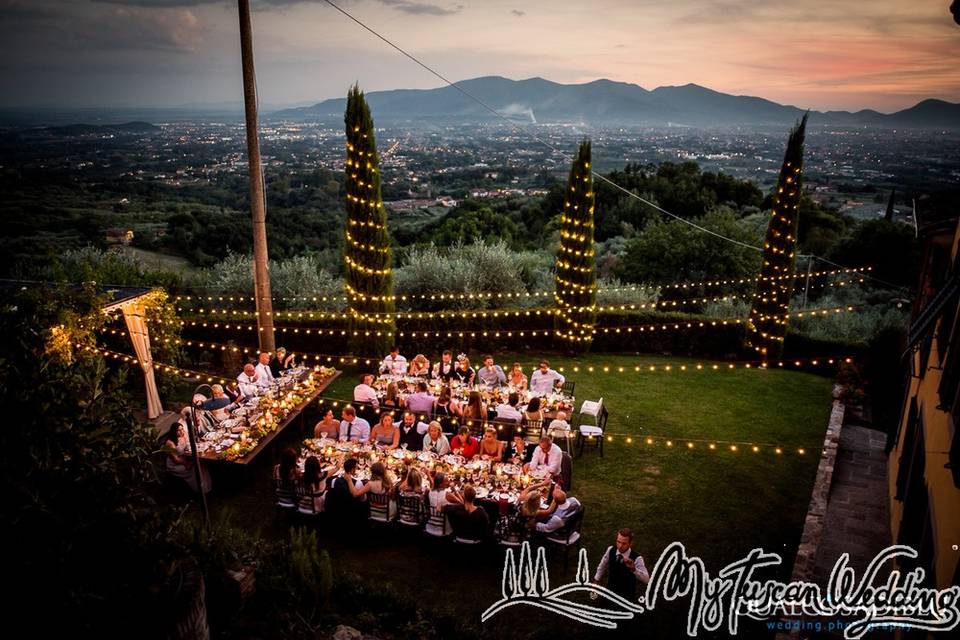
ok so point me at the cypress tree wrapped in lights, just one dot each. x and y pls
(366, 253)
(576, 277)
(767, 324)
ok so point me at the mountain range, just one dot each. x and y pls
(609, 102)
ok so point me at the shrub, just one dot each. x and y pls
(477, 268)
(90, 264)
(294, 282)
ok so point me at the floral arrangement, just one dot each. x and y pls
(274, 410)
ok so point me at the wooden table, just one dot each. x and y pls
(267, 439)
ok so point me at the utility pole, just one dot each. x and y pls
(258, 207)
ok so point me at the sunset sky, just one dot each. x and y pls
(820, 54)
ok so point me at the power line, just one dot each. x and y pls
(563, 154)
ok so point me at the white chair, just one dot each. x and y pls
(591, 408)
(593, 432)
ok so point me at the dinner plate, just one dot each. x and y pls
(482, 492)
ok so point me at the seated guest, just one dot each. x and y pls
(329, 427)
(264, 374)
(533, 413)
(531, 504)
(435, 441)
(464, 373)
(490, 447)
(517, 379)
(558, 513)
(381, 480)
(345, 499)
(249, 382)
(446, 408)
(412, 483)
(491, 375)
(475, 411)
(545, 380)
(464, 444)
(180, 458)
(547, 455)
(364, 393)
(386, 434)
(419, 366)
(519, 451)
(352, 428)
(411, 432)
(205, 420)
(232, 391)
(286, 471)
(394, 364)
(280, 362)
(559, 427)
(421, 402)
(507, 411)
(393, 401)
(314, 481)
(444, 369)
(220, 405)
(437, 500)
(469, 521)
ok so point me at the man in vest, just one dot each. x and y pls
(624, 567)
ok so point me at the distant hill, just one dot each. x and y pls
(606, 101)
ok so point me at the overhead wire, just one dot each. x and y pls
(545, 143)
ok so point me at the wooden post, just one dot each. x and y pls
(258, 212)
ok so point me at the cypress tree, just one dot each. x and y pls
(767, 324)
(367, 254)
(576, 276)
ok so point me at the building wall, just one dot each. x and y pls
(926, 419)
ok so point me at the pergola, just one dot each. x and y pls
(130, 301)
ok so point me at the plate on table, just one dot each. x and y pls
(540, 472)
(482, 492)
(511, 469)
(425, 456)
(453, 459)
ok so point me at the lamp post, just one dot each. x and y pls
(192, 431)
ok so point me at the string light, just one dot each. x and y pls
(639, 328)
(816, 361)
(668, 441)
(526, 294)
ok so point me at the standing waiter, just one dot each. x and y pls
(624, 566)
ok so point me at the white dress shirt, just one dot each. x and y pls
(550, 460)
(559, 517)
(248, 386)
(264, 375)
(359, 432)
(365, 393)
(639, 569)
(396, 366)
(508, 412)
(544, 383)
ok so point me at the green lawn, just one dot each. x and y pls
(720, 503)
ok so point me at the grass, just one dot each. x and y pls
(719, 503)
(160, 261)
